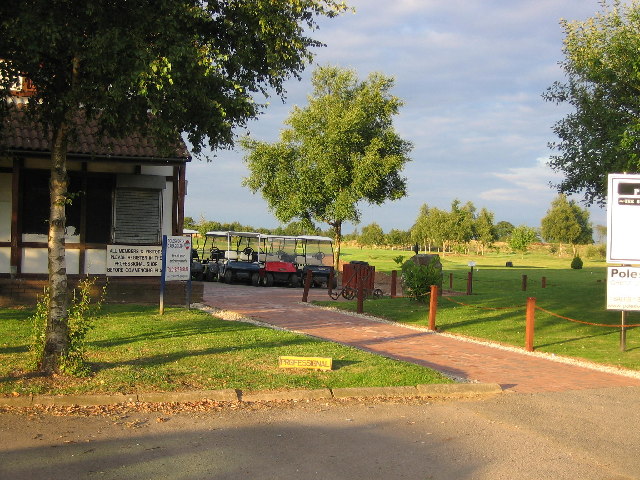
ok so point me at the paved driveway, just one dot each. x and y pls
(515, 370)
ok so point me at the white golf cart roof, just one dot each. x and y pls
(315, 237)
(230, 233)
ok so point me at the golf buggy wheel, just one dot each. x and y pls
(377, 293)
(255, 279)
(228, 276)
(269, 280)
(349, 293)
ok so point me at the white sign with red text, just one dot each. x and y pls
(178, 258)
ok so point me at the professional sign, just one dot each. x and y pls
(178, 258)
(623, 219)
(134, 261)
(317, 363)
(623, 288)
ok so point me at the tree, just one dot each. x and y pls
(397, 238)
(566, 222)
(372, 235)
(339, 150)
(193, 66)
(461, 223)
(485, 231)
(602, 134)
(521, 237)
(419, 230)
(503, 230)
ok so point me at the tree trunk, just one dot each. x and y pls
(57, 333)
(337, 228)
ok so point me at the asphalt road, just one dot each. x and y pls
(586, 434)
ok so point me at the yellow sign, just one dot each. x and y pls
(317, 363)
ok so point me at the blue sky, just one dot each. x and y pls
(471, 74)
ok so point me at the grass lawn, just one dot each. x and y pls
(495, 310)
(133, 349)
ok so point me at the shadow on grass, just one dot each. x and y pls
(172, 357)
(338, 364)
(14, 349)
(575, 339)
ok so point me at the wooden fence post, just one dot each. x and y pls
(332, 276)
(433, 307)
(469, 283)
(524, 283)
(360, 276)
(307, 285)
(451, 281)
(531, 317)
(394, 280)
(544, 282)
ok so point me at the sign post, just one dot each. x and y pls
(623, 217)
(176, 264)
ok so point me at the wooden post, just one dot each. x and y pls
(332, 276)
(469, 283)
(307, 285)
(623, 331)
(544, 282)
(394, 281)
(531, 314)
(451, 281)
(433, 307)
(359, 276)
(524, 283)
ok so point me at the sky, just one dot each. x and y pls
(471, 74)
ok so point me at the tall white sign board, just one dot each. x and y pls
(178, 258)
(623, 219)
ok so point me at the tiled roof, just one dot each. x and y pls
(19, 134)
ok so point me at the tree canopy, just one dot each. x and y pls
(338, 151)
(566, 222)
(193, 67)
(602, 133)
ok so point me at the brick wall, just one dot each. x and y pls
(24, 291)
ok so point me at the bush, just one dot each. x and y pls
(576, 263)
(81, 315)
(597, 252)
(417, 279)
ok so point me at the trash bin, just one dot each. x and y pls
(353, 271)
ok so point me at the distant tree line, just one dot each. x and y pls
(461, 229)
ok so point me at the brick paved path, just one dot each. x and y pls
(515, 371)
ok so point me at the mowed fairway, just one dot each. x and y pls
(496, 308)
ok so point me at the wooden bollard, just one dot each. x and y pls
(524, 283)
(360, 292)
(531, 318)
(330, 281)
(469, 283)
(307, 285)
(394, 281)
(451, 281)
(433, 307)
(544, 282)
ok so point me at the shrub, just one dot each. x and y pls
(417, 279)
(81, 316)
(576, 263)
(597, 252)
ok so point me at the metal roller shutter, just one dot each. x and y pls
(137, 216)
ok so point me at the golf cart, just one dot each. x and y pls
(277, 261)
(233, 256)
(315, 254)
